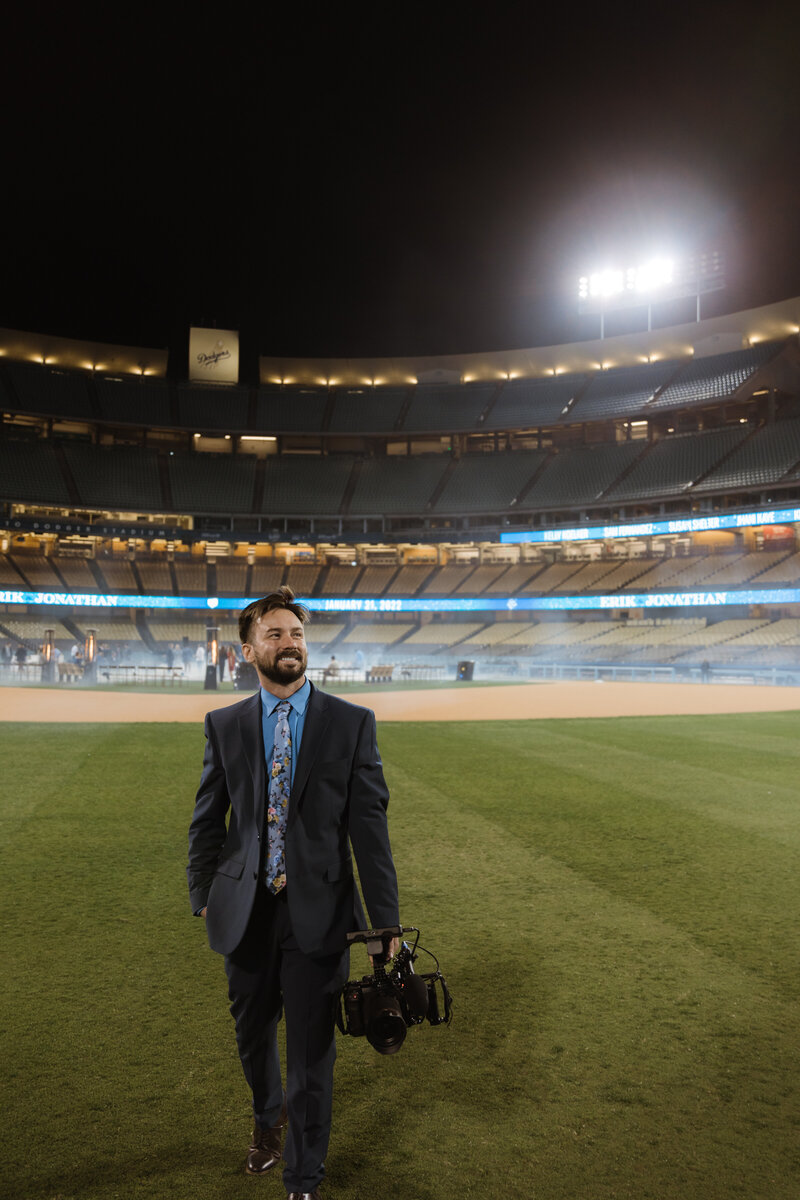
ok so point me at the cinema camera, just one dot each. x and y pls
(383, 1005)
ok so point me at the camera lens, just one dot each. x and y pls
(387, 1032)
(386, 1028)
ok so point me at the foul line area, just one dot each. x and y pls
(517, 702)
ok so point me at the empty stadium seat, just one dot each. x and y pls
(367, 410)
(396, 484)
(123, 477)
(488, 482)
(704, 380)
(531, 403)
(212, 483)
(763, 459)
(31, 471)
(305, 483)
(672, 465)
(449, 408)
(622, 391)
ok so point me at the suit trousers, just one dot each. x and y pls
(268, 974)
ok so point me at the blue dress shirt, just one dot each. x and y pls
(297, 719)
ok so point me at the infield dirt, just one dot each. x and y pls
(503, 703)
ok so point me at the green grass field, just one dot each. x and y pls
(614, 904)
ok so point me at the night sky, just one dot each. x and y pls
(352, 179)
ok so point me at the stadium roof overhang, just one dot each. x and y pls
(77, 355)
(715, 335)
(712, 336)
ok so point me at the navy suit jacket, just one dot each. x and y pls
(338, 801)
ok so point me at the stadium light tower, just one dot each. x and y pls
(652, 280)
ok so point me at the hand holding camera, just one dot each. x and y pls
(383, 1005)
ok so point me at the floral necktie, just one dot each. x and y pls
(280, 781)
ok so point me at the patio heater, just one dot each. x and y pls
(212, 654)
(90, 656)
(48, 656)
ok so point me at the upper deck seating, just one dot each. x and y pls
(396, 484)
(488, 482)
(672, 464)
(123, 477)
(621, 391)
(298, 484)
(531, 403)
(212, 483)
(367, 410)
(49, 390)
(763, 459)
(581, 475)
(217, 407)
(704, 380)
(295, 410)
(451, 408)
(30, 471)
(142, 402)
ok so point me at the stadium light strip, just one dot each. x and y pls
(747, 520)
(520, 604)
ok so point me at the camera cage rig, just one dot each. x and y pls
(390, 976)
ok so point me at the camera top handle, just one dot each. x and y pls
(378, 941)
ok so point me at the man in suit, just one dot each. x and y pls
(292, 779)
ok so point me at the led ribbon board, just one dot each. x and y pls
(748, 520)
(212, 604)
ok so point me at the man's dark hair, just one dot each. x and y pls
(283, 598)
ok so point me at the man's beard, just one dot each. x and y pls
(284, 672)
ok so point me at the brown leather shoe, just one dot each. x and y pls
(266, 1150)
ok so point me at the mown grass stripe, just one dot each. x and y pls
(623, 960)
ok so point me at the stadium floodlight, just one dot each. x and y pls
(651, 280)
(603, 284)
(651, 276)
(635, 281)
